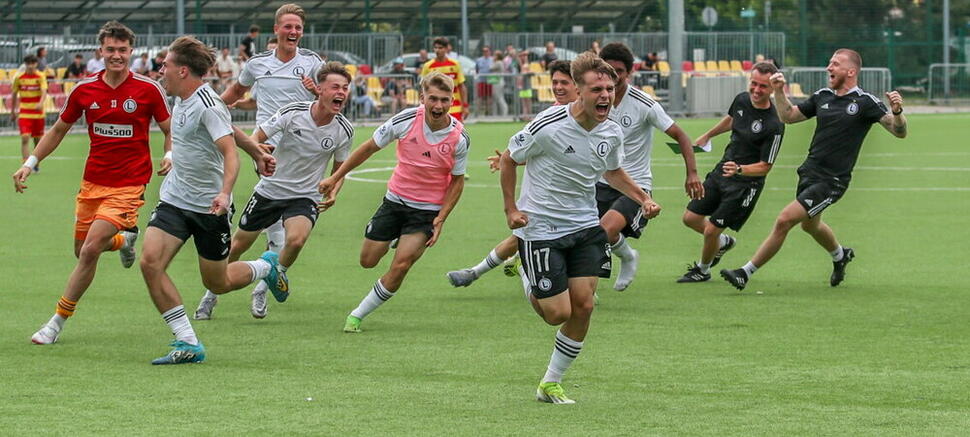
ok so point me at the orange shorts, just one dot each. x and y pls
(117, 205)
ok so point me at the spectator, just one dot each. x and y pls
(595, 47)
(96, 64)
(361, 98)
(422, 59)
(395, 90)
(271, 44)
(248, 44)
(510, 58)
(650, 61)
(497, 82)
(483, 89)
(77, 69)
(549, 55)
(141, 65)
(524, 86)
(157, 61)
(42, 59)
(226, 68)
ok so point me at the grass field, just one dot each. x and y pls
(886, 353)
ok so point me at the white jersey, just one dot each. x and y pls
(197, 164)
(563, 162)
(280, 83)
(638, 114)
(303, 152)
(399, 125)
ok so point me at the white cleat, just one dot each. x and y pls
(258, 307)
(462, 278)
(127, 251)
(526, 286)
(46, 335)
(628, 270)
(204, 311)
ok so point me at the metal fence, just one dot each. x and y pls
(701, 46)
(875, 81)
(949, 84)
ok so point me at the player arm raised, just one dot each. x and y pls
(230, 170)
(895, 122)
(45, 147)
(514, 217)
(622, 182)
(693, 185)
(787, 112)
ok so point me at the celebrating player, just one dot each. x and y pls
(196, 198)
(312, 134)
(118, 106)
(562, 245)
(432, 151)
(845, 114)
(732, 189)
(282, 75)
(29, 92)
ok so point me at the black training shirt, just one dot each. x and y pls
(755, 135)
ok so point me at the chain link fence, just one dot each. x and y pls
(949, 84)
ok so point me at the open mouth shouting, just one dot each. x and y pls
(602, 109)
(337, 104)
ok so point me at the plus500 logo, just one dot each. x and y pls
(114, 130)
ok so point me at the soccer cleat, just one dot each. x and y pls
(511, 267)
(275, 279)
(838, 267)
(462, 278)
(738, 278)
(526, 285)
(204, 311)
(628, 270)
(552, 393)
(694, 274)
(183, 353)
(723, 250)
(127, 251)
(352, 325)
(258, 307)
(47, 334)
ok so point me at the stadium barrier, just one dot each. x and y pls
(949, 84)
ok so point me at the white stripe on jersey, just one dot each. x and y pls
(775, 146)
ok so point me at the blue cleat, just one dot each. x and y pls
(275, 279)
(183, 353)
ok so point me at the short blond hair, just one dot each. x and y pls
(854, 57)
(438, 80)
(588, 61)
(291, 8)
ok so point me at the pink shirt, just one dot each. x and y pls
(423, 171)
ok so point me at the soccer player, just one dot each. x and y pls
(451, 68)
(118, 106)
(637, 114)
(432, 150)
(565, 91)
(313, 133)
(29, 92)
(845, 114)
(562, 245)
(195, 199)
(282, 75)
(732, 188)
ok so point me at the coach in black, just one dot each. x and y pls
(845, 113)
(732, 189)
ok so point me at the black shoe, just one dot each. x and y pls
(723, 250)
(694, 275)
(838, 267)
(738, 278)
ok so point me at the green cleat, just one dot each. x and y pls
(552, 393)
(511, 267)
(352, 326)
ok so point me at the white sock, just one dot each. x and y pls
(750, 268)
(276, 236)
(490, 262)
(259, 267)
(622, 249)
(563, 354)
(705, 268)
(57, 321)
(377, 296)
(526, 285)
(837, 254)
(724, 240)
(179, 324)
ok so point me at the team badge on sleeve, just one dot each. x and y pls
(602, 148)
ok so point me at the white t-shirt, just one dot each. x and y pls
(399, 125)
(227, 64)
(197, 164)
(637, 114)
(95, 65)
(280, 83)
(304, 151)
(563, 162)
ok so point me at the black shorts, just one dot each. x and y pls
(393, 219)
(816, 192)
(608, 198)
(261, 212)
(550, 263)
(727, 201)
(210, 231)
